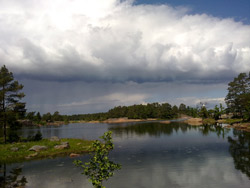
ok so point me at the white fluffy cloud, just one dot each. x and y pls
(116, 40)
(89, 56)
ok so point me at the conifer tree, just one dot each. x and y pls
(10, 106)
(237, 99)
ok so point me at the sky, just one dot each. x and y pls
(79, 56)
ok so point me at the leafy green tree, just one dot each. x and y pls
(165, 111)
(10, 106)
(203, 112)
(120, 111)
(47, 117)
(175, 111)
(192, 111)
(38, 117)
(182, 108)
(56, 116)
(30, 116)
(100, 168)
(238, 92)
(218, 111)
(246, 106)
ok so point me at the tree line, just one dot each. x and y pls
(151, 110)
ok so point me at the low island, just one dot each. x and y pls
(45, 148)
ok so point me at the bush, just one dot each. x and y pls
(13, 137)
(100, 168)
(38, 136)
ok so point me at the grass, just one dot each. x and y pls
(230, 121)
(8, 156)
(209, 121)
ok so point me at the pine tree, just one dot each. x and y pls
(10, 106)
(237, 99)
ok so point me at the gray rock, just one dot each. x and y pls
(54, 139)
(63, 145)
(38, 148)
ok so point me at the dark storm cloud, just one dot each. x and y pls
(83, 97)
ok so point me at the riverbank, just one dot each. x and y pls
(229, 123)
(125, 120)
(109, 121)
(26, 151)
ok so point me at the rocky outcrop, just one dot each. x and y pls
(38, 148)
(63, 145)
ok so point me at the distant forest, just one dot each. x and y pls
(152, 110)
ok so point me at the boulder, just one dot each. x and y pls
(63, 145)
(37, 148)
(54, 139)
(74, 155)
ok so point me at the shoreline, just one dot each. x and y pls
(240, 126)
(236, 124)
(230, 123)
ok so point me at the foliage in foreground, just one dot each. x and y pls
(100, 167)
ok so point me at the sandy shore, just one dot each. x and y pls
(126, 120)
(165, 122)
(194, 121)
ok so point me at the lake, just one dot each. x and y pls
(152, 155)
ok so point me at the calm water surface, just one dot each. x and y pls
(152, 155)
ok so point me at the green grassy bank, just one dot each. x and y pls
(19, 152)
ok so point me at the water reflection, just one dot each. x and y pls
(218, 129)
(152, 129)
(240, 150)
(158, 129)
(239, 143)
(152, 155)
(14, 179)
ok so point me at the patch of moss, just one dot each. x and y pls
(230, 121)
(209, 121)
